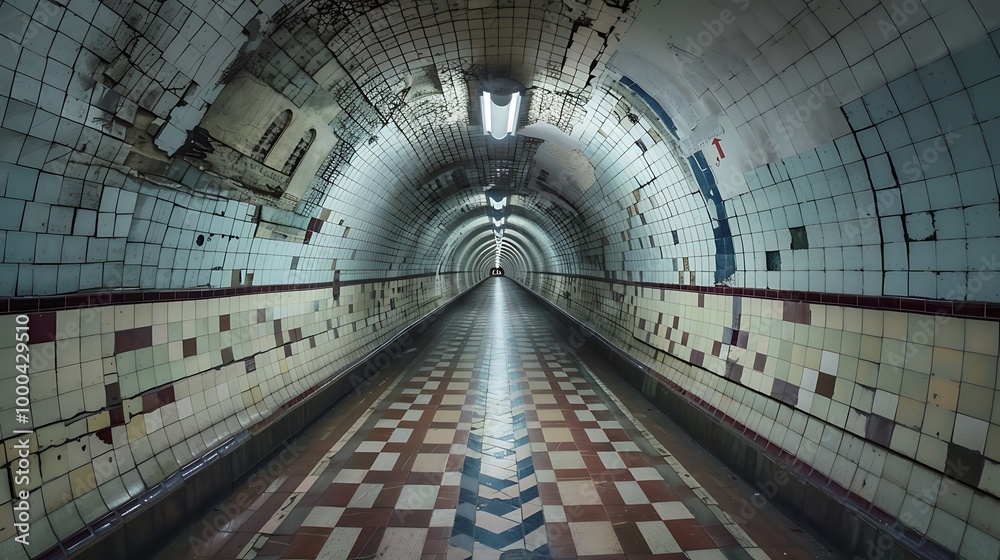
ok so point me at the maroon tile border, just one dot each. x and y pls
(966, 309)
(99, 299)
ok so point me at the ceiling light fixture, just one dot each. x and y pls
(500, 101)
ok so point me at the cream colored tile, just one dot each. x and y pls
(889, 378)
(915, 385)
(978, 545)
(592, 538)
(350, 476)
(970, 432)
(439, 435)
(57, 493)
(578, 492)
(817, 336)
(832, 340)
(814, 356)
(909, 413)
(402, 542)
(871, 323)
(566, 460)
(975, 401)
(982, 337)
(918, 357)
(938, 423)
(82, 480)
(834, 316)
(417, 496)
(323, 516)
(993, 443)
(550, 415)
(136, 428)
(885, 403)
(447, 416)
(946, 529)
(980, 369)
(932, 451)
(943, 393)
(889, 497)
(853, 319)
(863, 398)
(871, 348)
(430, 462)
(556, 435)
(799, 355)
(948, 332)
(894, 325)
(947, 363)
(897, 470)
(867, 373)
(821, 406)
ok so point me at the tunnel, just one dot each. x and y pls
(500, 279)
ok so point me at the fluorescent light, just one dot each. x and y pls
(499, 222)
(498, 204)
(487, 104)
(514, 108)
(495, 116)
(500, 101)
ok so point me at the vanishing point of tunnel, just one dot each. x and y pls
(499, 279)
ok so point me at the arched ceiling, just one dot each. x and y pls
(628, 106)
(778, 144)
(407, 76)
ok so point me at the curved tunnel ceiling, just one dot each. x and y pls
(763, 144)
(658, 137)
(685, 116)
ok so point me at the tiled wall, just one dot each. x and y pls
(902, 409)
(913, 188)
(905, 204)
(74, 216)
(125, 395)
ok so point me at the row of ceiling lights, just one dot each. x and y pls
(500, 102)
(496, 212)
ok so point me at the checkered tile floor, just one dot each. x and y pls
(495, 440)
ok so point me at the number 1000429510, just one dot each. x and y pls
(22, 357)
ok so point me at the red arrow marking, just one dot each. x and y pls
(718, 146)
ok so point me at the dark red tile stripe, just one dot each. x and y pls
(100, 299)
(966, 309)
